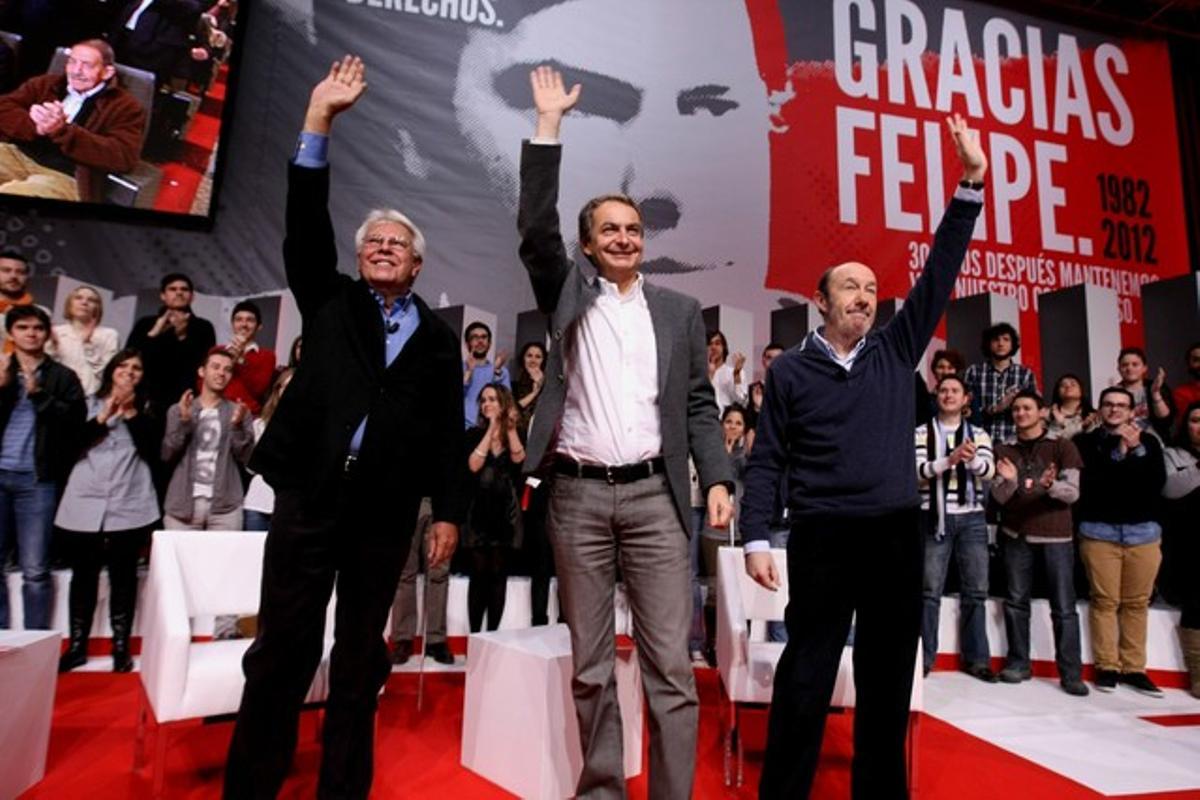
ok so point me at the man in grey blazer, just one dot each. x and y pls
(626, 399)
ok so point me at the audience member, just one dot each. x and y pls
(531, 364)
(1070, 412)
(173, 343)
(527, 388)
(954, 458)
(259, 503)
(437, 588)
(108, 508)
(294, 352)
(478, 371)
(995, 381)
(1185, 394)
(1037, 481)
(1123, 475)
(58, 129)
(494, 519)
(754, 406)
(41, 412)
(206, 438)
(943, 363)
(14, 286)
(157, 35)
(1181, 512)
(253, 366)
(1152, 401)
(726, 378)
(81, 343)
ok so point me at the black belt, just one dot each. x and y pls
(620, 473)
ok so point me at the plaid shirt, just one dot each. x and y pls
(987, 385)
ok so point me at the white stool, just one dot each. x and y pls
(28, 675)
(519, 725)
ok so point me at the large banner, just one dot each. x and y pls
(764, 140)
(1080, 129)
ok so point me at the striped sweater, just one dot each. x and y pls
(952, 489)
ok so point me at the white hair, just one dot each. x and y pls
(390, 215)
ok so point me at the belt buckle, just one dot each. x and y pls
(609, 475)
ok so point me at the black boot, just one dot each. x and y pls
(81, 605)
(76, 655)
(121, 623)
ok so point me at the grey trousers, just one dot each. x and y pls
(594, 528)
(437, 585)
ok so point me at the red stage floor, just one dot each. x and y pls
(91, 751)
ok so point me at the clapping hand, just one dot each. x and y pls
(239, 413)
(1006, 469)
(1049, 475)
(186, 401)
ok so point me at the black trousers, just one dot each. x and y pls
(89, 553)
(488, 587)
(357, 540)
(838, 566)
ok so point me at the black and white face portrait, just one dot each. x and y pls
(673, 113)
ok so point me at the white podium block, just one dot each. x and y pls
(519, 725)
(28, 673)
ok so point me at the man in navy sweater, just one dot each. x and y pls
(837, 425)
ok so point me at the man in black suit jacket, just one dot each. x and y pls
(370, 424)
(157, 37)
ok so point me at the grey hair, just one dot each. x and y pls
(390, 215)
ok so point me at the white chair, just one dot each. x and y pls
(747, 664)
(196, 574)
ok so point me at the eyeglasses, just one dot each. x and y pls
(377, 242)
(1110, 404)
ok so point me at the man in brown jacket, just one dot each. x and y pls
(56, 129)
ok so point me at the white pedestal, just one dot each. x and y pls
(28, 671)
(519, 725)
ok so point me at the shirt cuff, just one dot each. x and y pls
(756, 546)
(312, 150)
(969, 195)
(543, 140)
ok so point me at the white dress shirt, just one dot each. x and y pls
(727, 390)
(610, 414)
(137, 15)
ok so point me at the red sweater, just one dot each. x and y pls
(252, 378)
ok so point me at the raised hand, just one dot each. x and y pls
(5, 368)
(500, 360)
(739, 361)
(239, 413)
(551, 99)
(1131, 436)
(966, 144)
(336, 92)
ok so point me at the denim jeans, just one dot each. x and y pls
(1059, 560)
(777, 629)
(255, 520)
(26, 516)
(966, 538)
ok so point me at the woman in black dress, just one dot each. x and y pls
(493, 529)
